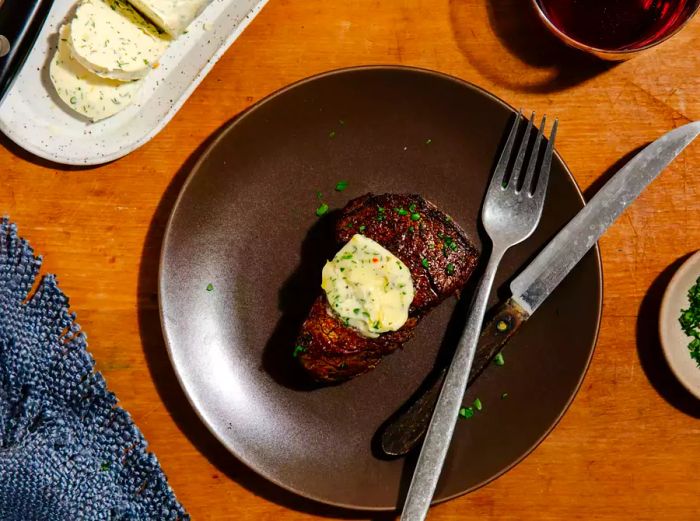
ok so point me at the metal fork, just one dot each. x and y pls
(510, 213)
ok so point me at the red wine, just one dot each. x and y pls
(617, 24)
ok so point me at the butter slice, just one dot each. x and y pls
(84, 92)
(111, 39)
(173, 16)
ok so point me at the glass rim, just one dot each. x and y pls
(610, 53)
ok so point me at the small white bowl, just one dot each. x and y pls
(673, 340)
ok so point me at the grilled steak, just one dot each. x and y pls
(433, 247)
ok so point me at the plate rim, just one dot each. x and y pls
(223, 132)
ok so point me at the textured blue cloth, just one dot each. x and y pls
(67, 451)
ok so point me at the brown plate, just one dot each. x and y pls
(245, 223)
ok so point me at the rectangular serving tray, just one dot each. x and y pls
(35, 118)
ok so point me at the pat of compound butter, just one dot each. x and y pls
(368, 287)
(84, 92)
(173, 16)
(111, 39)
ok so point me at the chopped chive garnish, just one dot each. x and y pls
(411, 229)
(466, 412)
(415, 217)
(499, 360)
(425, 263)
(298, 350)
(356, 310)
(364, 313)
(341, 185)
(412, 208)
(380, 209)
(322, 210)
(690, 321)
(210, 287)
(504, 396)
(401, 211)
(381, 217)
(477, 404)
(451, 244)
(319, 195)
(347, 256)
(450, 269)
(362, 228)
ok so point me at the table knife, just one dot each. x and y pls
(537, 281)
(20, 24)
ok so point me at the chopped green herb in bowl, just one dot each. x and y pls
(690, 321)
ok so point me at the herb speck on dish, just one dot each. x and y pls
(322, 210)
(466, 412)
(499, 360)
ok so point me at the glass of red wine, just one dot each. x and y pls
(615, 29)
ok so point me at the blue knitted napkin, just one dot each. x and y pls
(67, 451)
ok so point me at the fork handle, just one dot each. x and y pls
(442, 425)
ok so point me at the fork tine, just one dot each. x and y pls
(541, 188)
(515, 175)
(499, 173)
(534, 155)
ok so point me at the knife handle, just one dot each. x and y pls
(407, 426)
(505, 321)
(20, 24)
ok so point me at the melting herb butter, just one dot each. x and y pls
(368, 287)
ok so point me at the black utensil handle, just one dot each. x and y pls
(20, 24)
(406, 428)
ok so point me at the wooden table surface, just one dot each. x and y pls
(628, 448)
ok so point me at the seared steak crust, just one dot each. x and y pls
(434, 248)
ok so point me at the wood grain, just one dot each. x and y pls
(628, 448)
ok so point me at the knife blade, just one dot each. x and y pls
(20, 24)
(540, 278)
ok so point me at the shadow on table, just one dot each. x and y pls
(166, 382)
(18, 151)
(649, 347)
(523, 56)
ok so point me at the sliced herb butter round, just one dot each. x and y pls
(86, 93)
(368, 287)
(111, 39)
(173, 16)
